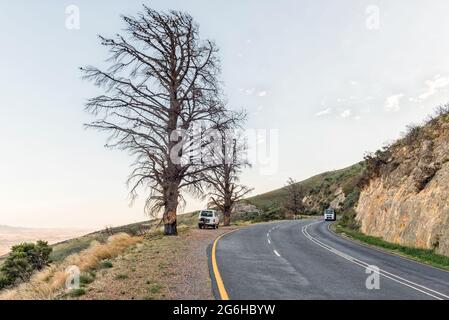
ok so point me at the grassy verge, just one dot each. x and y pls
(66, 248)
(50, 282)
(426, 256)
(158, 268)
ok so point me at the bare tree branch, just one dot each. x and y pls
(223, 178)
(161, 78)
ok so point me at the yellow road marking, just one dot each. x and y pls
(221, 288)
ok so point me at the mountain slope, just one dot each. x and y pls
(399, 193)
(406, 200)
(333, 188)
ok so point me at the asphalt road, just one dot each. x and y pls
(304, 260)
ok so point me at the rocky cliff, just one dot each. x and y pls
(406, 198)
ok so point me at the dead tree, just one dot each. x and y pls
(161, 83)
(293, 201)
(223, 177)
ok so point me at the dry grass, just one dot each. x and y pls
(50, 282)
(159, 268)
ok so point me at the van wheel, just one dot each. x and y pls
(200, 226)
(216, 227)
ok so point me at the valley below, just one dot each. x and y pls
(10, 236)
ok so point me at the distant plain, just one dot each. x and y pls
(10, 236)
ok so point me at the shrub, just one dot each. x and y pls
(4, 281)
(272, 213)
(351, 199)
(106, 264)
(77, 293)
(412, 134)
(86, 278)
(24, 259)
(348, 220)
(155, 288)
(375, 161)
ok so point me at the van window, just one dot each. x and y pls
(207, 214)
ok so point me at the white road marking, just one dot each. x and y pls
(276, 253)
(269, 241)
(363, 264)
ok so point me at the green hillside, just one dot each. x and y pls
(319, 190)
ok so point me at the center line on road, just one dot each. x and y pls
(276, 253)
(269, 241)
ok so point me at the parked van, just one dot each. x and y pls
(208, 218)
(330, 215)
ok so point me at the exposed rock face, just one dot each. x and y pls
(339, 199)
(336, 200)
(243, 207)
(408, 202)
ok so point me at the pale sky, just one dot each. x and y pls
(334, 80)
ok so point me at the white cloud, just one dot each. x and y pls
(250, 91)
(262, 93)
(433, 86)
(324, 112)
(392, 103)
(346, 113)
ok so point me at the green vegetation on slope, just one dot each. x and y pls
(319, 192)
(23, 261)
(422, 255)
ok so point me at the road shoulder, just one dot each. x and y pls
(344, 235)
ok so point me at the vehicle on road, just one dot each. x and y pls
(208, 218)
(330, 215)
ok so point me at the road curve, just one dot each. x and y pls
(304, 260)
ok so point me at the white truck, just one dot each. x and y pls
(208, 218)
(330, 215)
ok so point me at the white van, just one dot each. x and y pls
(208, 218)
(330, 215)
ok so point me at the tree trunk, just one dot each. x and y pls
(170, 227)
(227, 209)
(227, 218)
(170, 211)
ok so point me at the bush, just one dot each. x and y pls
(23, 260)
(273, 212)
(412, 134)
(4, 281)
(376, 161)
(86, 278)
(351, 200)
(348, 220)
(75, 293)
(106, 264)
